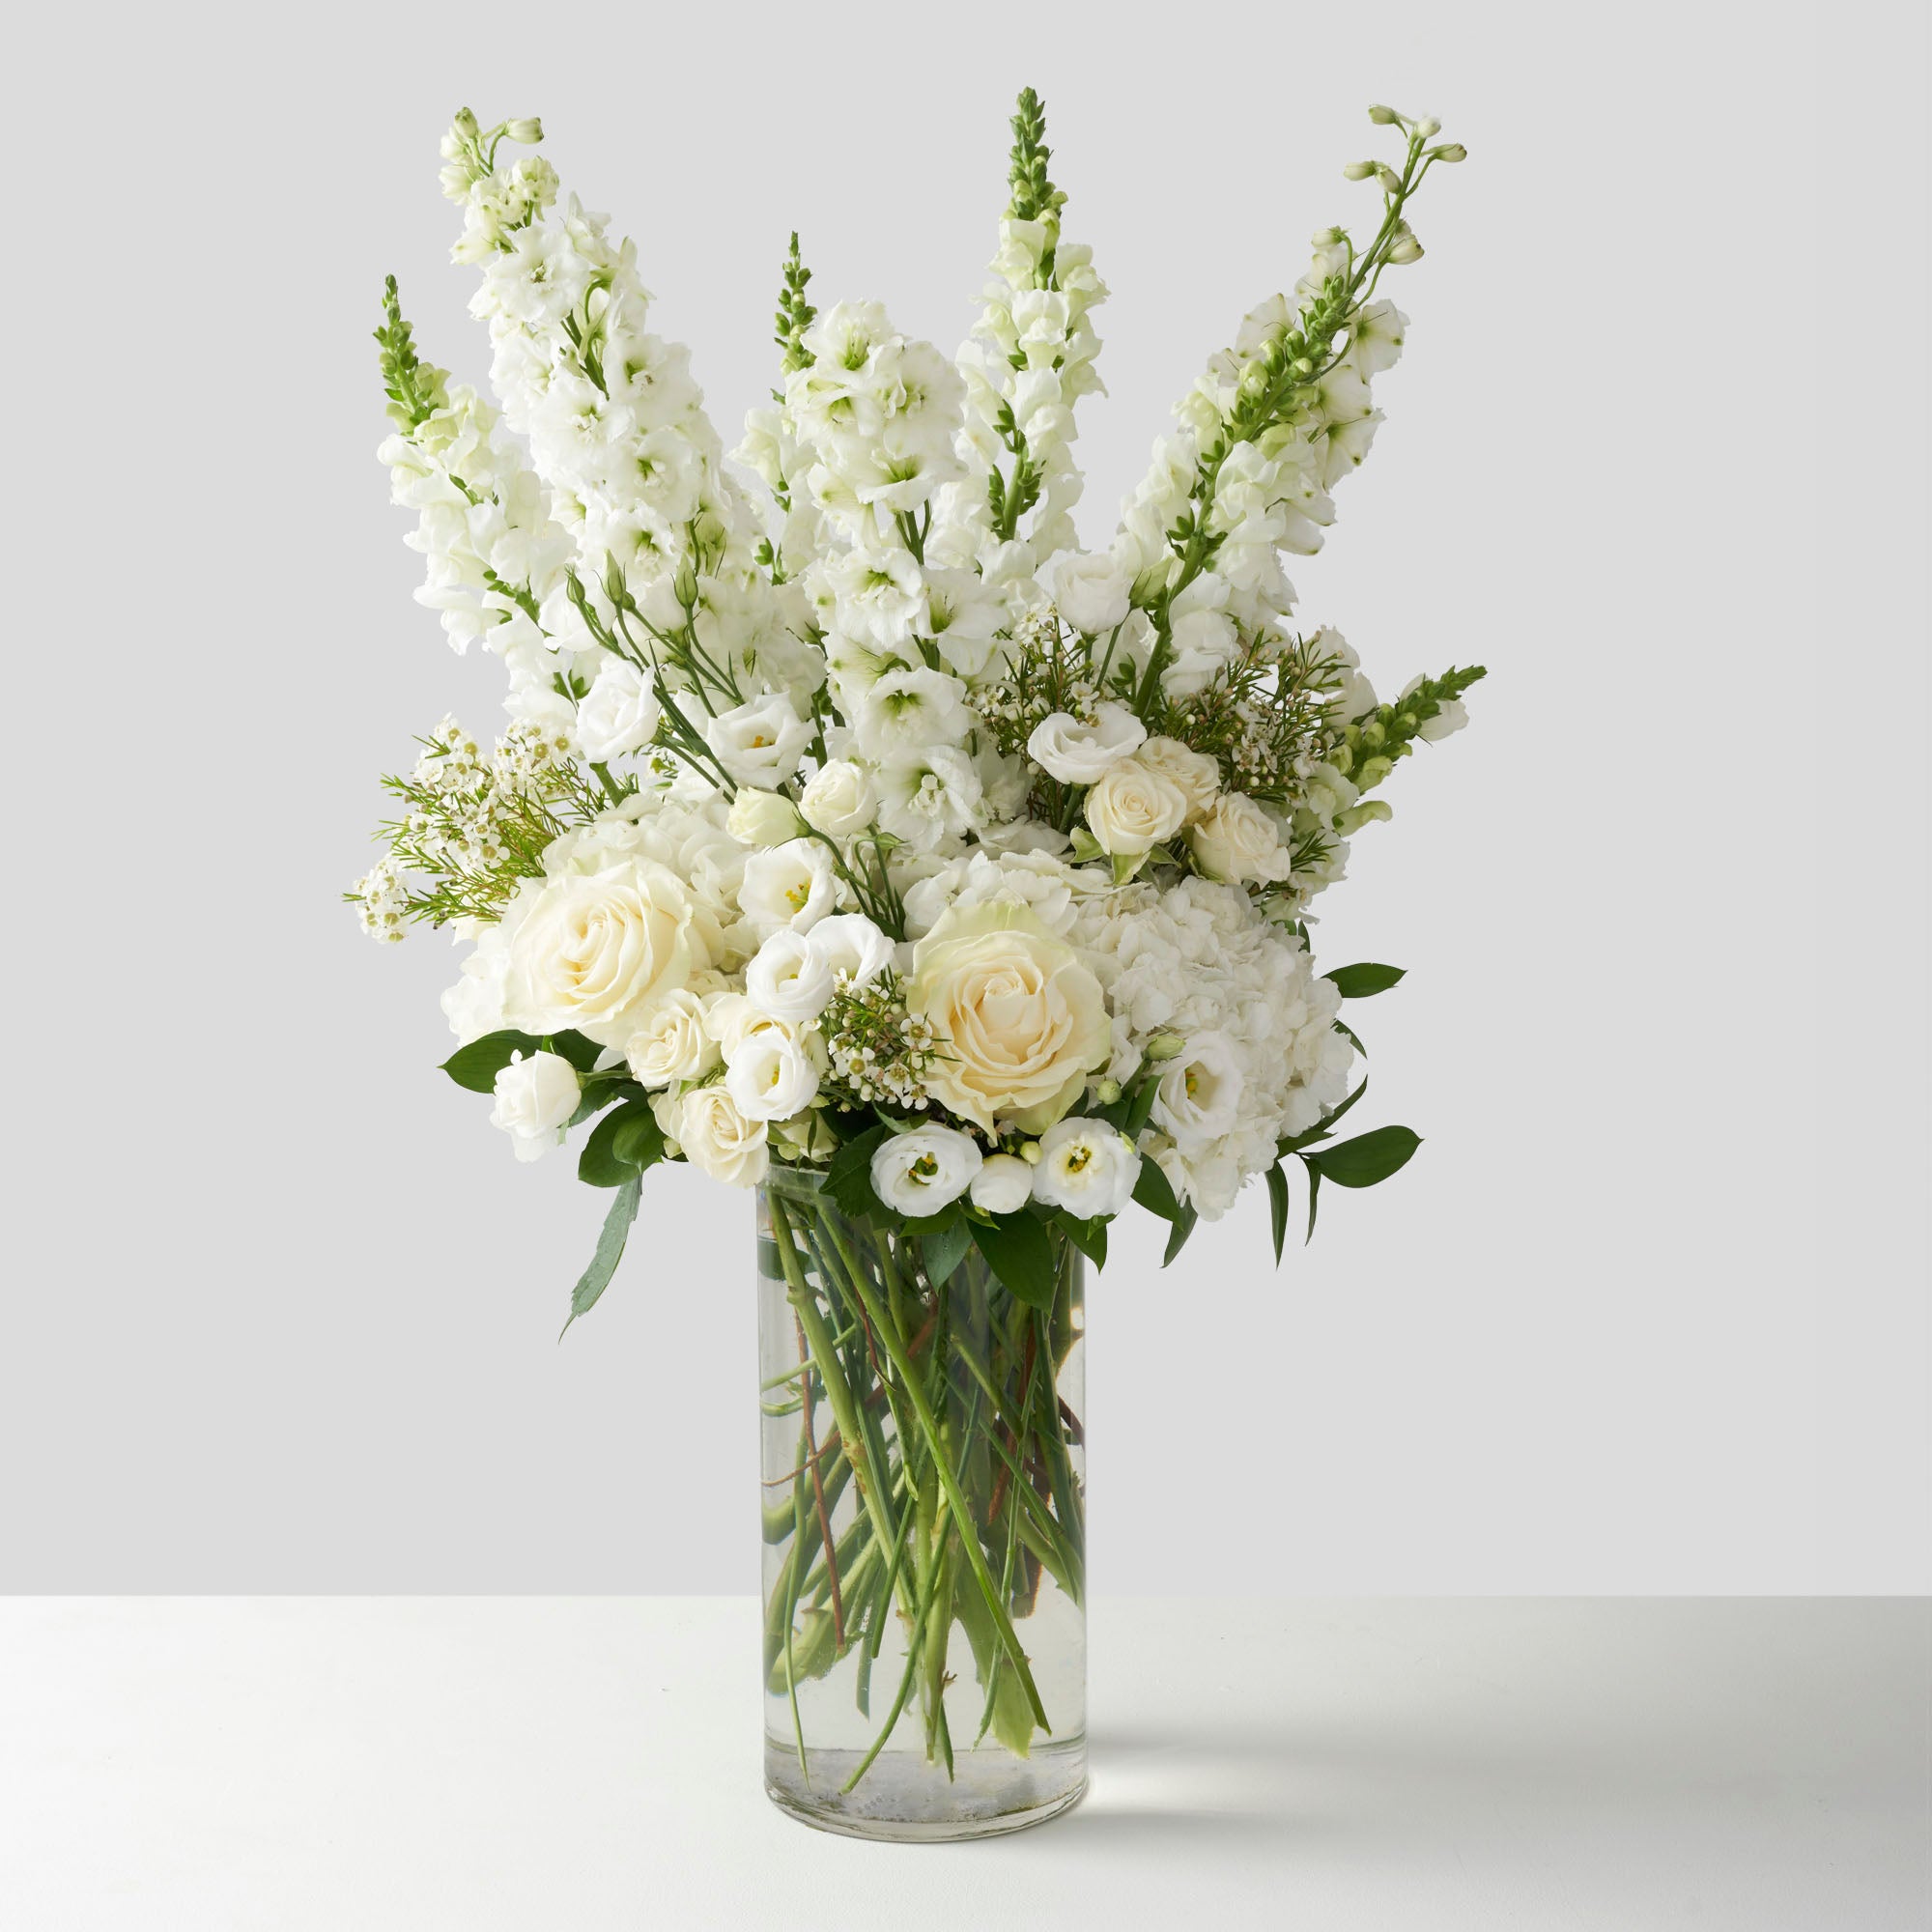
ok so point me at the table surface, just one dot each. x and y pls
(576, 1764)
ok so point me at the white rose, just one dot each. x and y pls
(919, 1173)
(595, 946)
(1021, 1018)
(1086, 1167)
(1003, 1184)
(838, 799)
(721, 1141)
(1133, 807)
(1199, 1094)
(761, 817)
(671, 1041)
(771, 1077)
(1198, 776)
(790, 885)
(1090, 591)
(619, 714)
(790, 977)
(1237, 840)
(1074, 753)
(759, 743)
(849, 943)
(731, 1019)
(535, 1098)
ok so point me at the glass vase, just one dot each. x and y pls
(924, 1471)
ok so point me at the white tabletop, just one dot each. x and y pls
(356, 1765)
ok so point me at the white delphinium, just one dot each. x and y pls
(923, 1171)
(928, 795)
(535, 1097)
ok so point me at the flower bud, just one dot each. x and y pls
(1383, 117)
(1373, 732)
(1374, 771)
(1030, 1152)
(1429, 126)
(1357, 171)
(761, 817)
(1165, 1046)
(1405, 248)
(528, 130)
(1374, 810)
(1326, 238)
(464, 125)
(1387, 176)
(1451, 151)
(1107, 1093)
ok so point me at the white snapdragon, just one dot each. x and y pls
(790, 977)
(789, 885)
(1086, 1167)
(1077, 752)
(761, 742)
(923, 1171)
(535, 1097)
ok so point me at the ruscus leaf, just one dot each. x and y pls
(1278, 1206)
(1019, 1250)
(1362, 982)
(1367, 1158)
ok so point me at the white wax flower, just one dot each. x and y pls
(1237, 840)
(671, 1041)
(790, 885)
(1075, 752)
(758, 743)
(761, 817)
(790, 977)
(719, 1138)
(1087, 1167)
(838, 799)
(1002, 1186)
(1091, 592)
(919, 1173)
(849, 943)
(619, 716)
(1199, 1098)
(771, 1077)
(1133, 807)
(535, 1098)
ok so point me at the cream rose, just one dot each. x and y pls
(594, 947)
(718, 1139)
(535, 1098)
(1237, 840)
(1133, 808)
(1198, 776)
(670, 1043)
(1022, 1020)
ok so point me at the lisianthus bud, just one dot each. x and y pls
(1030, 1152)
(464, 125)
(761, 817)
(1107, 1092)
(1164, 1045)
(1429, 126)
(1357, 171)
(1451, 151)
(528, 130)
(1383, 117)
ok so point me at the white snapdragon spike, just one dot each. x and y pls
(1086, 1167)
(535, 1098)
(923, 1171)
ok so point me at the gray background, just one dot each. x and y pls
(1648, 1311)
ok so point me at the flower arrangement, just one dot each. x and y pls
(856, 830)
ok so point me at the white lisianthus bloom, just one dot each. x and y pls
(1075, 752)
(849, 943)
(1002, 1186)
(1235, 840)
(790, 977)
(838, 799)
(928, 795)
(1021, 1019)
(619, 716)
(771, 1077)
(535, 1098)
(1199, 1097)
(1195, 773)
(761, 817)
(731, 1019)
(1133, 808)
(716, 1137)
(920, 1172)
(758, 743)
(671, 1041)
(1091, 592)
(790, 885)
(1087, 1167)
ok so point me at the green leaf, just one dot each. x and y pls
(1183, 1226)
(1324, 1127)
(1313, 1189)
(1019, 1250)
(944, 1251)
(1278, 1206)
(848, 1181)
(596, 1278)
(1359, 983)
(1155, 1192)
(477, 1064)
(640, 1141)
(1354, 1039)
(1367, 1158)
(620, 1144)
(582, 1053)
(1088, 1237)
(601, 1088)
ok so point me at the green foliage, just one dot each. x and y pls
(1155, 1192)
(477, 1064)
(596, 1278)
(1361, 982)
(1366, 1160)
(944, 1250)
(625, 1141)
(1019, 1250)
(849, 1180)
(414, 388)
(1183, 1226)
(1277, 1207)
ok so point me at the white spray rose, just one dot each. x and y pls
(535, 1098)
(1198, 776)
(1235, 840)
(759, 743)
(1199, 1098)
(1075, 752)
(761, 817)
(1133, 808)
(1090, 591)
(771, 1077)
(670, 1043)
(619, 716)
(790, 885)
(1086, 1167)
(838, 799)
(1003, 1184)
(849, 943)
(919, 1173)
(790, 977)
(720, 1140)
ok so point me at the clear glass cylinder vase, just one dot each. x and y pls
(924, 1471)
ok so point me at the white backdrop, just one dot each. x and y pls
(1648, 1311)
